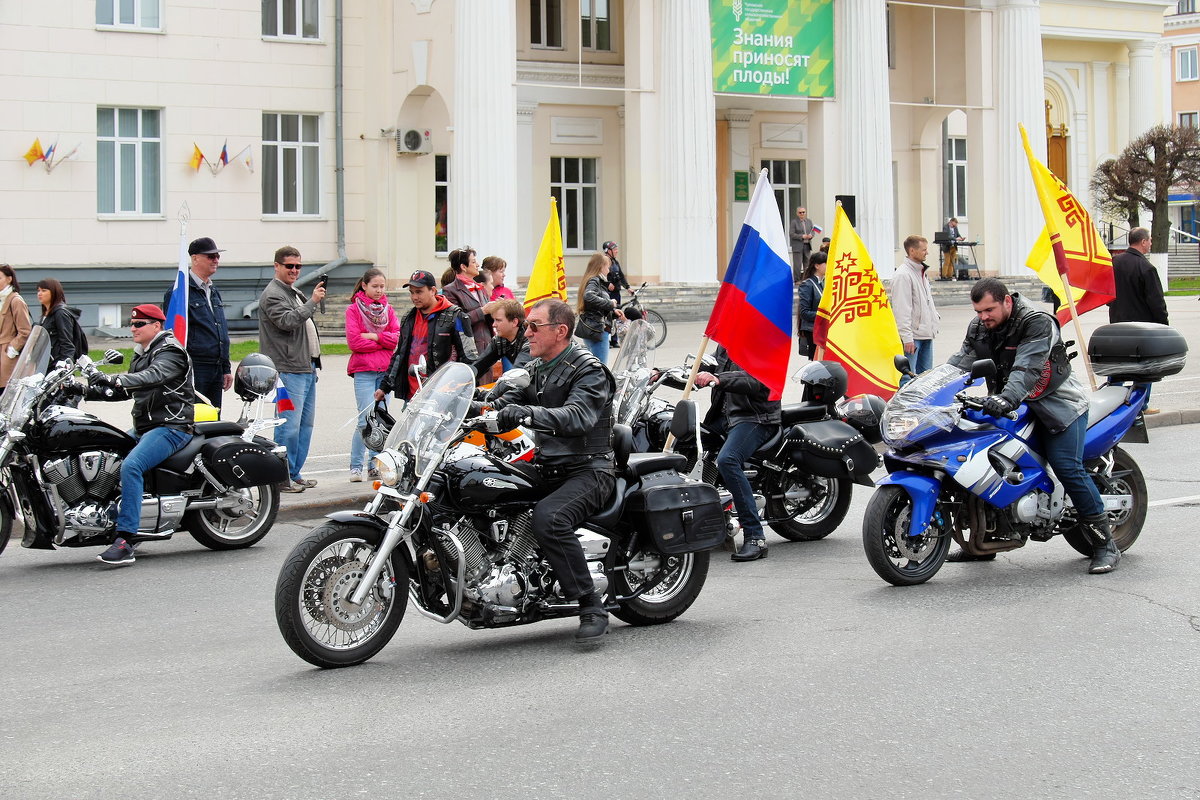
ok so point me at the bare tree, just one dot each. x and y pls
(1115, 190)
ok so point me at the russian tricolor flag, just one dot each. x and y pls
(177, 307)
(282, 401)
(752, 317)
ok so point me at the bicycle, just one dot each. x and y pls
(655, 319)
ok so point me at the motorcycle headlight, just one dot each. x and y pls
(389, 467)
(899, 426)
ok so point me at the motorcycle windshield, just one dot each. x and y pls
(923, 406)
(632, 371)
(33, 361)
(433, 416)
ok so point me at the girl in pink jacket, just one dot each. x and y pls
(372, 330)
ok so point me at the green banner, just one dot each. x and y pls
(779, 47)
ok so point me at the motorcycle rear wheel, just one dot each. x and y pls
(219, 529)
(796, 521)
(1126, 524)
(667, 600)
(888, 547)
(312, 597)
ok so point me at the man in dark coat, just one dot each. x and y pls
(207, 329)
(1139, 290)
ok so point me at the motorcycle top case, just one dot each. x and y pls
(682, 515)
(241, 464)
(831, 449)
(1137, 351)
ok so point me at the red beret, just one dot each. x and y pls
(149, 311)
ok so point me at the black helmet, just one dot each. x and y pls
(378, 425)
(255, 377)
(823, 381)
(864, 412)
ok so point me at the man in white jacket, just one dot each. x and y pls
(912, 303)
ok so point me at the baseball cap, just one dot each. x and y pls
(421, 278)
(149, 311)
(203, 245)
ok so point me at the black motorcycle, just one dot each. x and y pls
(61, 467)
(450, 529)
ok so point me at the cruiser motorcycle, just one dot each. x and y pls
(61, 467)
(449, 529)
(956, 473)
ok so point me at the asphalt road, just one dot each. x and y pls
(803, 675)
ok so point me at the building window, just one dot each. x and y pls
(595, 25)
(573, 185)
(1186, 7)
(137, 14)
(441, 202)
(956, 178)
(128, 161)
(545, 23)
(787, 179)
(297, 19)
(291, 154)
(1185, 65)
(1189, 119)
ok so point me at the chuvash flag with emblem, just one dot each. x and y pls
(855, 325)
(752, 317)
(548, 278)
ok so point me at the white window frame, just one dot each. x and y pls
(140, 10)
(1189, 119)
(956, 174)
(306, 153)
(588, 19)
(791, 192)
(445, 186)
(1187, 68)
(298, 9)
(133, 158)
(539, 38)
(573, 212)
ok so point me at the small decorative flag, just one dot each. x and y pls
(282, 401)
(224, 153)
(35, 153)
(197, 157)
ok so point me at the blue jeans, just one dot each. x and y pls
(365, 384)
(296, 432)
(740, 443)
(921, 359)
(598, 348)
(154, 447)
(1064, 452)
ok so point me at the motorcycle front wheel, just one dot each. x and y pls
(896, 557)
(685, 576)
(242, 518)
(1126, 523)
(798, 517)
(312, 597)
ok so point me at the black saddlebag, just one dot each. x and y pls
(240, 464)
(1137, 351)
(681, 515)
(831, 449)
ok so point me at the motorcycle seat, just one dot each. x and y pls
(1105, 401)
(641, 464)
(219, 428)
(608, 516)
(803, 412)
(182, 461)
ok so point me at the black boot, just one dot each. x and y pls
(1105, 554)
(958, 556)
(751, 550)
(593, 620)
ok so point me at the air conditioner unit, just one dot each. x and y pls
(413, 141)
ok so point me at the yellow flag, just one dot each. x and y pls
(197, 157)
(548, 279)
(855, 323)
(35, 153)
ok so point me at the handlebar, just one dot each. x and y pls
(975, 404)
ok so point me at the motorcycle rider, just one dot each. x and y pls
(739, 402)
(569, 402)
(160, 382)
(1032, 366)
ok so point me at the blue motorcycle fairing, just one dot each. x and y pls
(1103, 435)
(923, 490)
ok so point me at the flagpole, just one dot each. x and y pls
(669, 445)
(818, 353)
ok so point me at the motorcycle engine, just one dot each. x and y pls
(87, 485)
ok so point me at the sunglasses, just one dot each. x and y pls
(292, 267)
(533, 326)
(212, 256)
(140, 323)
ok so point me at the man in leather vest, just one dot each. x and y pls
(569, 404)
(1032, 366)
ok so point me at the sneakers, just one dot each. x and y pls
(593, 620)
(1148, 410)
(118, 553)
(291, 486)
(307, 483)
(356, 475)
(751, 550)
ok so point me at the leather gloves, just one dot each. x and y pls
(512, 416)
(996, 406)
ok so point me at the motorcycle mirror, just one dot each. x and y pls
(514, 379)
(902, 365)
(113, 357)
(983, 368)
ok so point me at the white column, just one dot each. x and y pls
(1100, 108)
(687, 143)
(1121, 93)
(1019, 99)
(866, 158)
(483, 167)
(643, 252)
(1143, 93)
(1080, 170)
(530, 208)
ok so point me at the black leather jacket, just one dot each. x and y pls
(67, 340)
(740, 396)
(570, 401)
(516, 351)
(450, 332)
(160, 382)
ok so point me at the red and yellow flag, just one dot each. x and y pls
(197, 157)
(35, 153)
(1069, 249)
(855, 324)
(548, 278)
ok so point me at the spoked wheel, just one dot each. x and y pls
(657, 324)
(807, 507)
(1126, 478)
(898, 558)
(312, 597)
(670, 598)
(240, 519)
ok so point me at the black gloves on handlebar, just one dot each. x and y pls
(100, 380)
(73, 389)
(512, 416)
(477, 408)
(996, 406)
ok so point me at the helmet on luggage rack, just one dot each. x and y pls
(864, 412)
(823, 381)
(378, 425)
(255, 377)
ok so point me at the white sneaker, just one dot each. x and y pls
(356, 476)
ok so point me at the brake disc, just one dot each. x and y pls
(339, 586)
